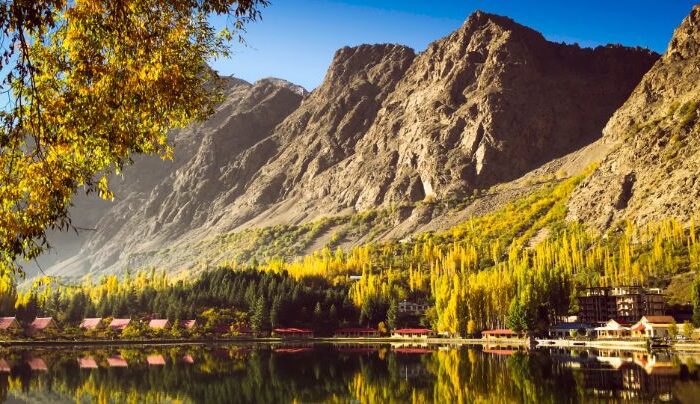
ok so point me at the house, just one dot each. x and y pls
(42, 325)
(37, 364)
(9, 324)
(500, 333)
(92, 324)
(613, 329)
(155, 360)
(5, 367)
(355, 333)
(415, 309)
(413, 333)
(292, 333)
(188, 324)
(119, 324)
(117, 362)
(87, 362)
(652, 327)
(158, 324)
(564, 330)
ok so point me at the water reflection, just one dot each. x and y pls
(344, 373)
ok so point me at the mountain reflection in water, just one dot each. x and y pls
(343, 373)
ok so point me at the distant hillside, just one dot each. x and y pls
(433, 138)
(653, 171)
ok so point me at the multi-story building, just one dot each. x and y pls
(622, 303)
(416, 309)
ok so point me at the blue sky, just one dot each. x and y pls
(296, 39)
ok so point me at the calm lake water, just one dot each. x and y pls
(344, 374)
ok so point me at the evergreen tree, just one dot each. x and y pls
(260, 319)
(392, 315)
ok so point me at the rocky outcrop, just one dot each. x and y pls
(482, 106)
(653, 171)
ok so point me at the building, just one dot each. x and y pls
(652, 327)
(564, 330)
(292, 333)
(188, 324)
(117, 361)
(87, 362)
(119, 324)
(413, 333)
(155, 360)
(42, 325)
(624, 303)
(37, 364)
(92, 324)
(158, 324)
(9, 324)
(500, 333)
(415, 309)
(355, 333)
(613, 329)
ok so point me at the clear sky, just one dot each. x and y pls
(296, 39)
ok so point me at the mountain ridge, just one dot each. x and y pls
(388, 127)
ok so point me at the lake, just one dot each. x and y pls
(382, 373)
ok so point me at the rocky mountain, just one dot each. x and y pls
(653, 170)
(485, 105)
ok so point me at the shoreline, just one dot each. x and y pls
(520, 343)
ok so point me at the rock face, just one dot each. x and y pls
(482, 106)
(653, 171)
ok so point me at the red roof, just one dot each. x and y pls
(119, 323)
(500, 331)
(188, 324)
(500, 351)
(4, 366)
(659, 319)
(413, 331)
(158, 323)
(292, 331)
(37, 364)
(91, 323)
(413, 350)
(356, 330)
(117, 362)
(8, 322)
(87, 363)
(188, 358)
(40, 324)
(155, 360)
(292, 350)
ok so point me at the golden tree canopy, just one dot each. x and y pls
(89, 83)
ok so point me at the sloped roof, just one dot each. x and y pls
(188, 324)
(41, 323)
(155, 360)
(117, 362)
(158, 323)
(87, 363)
(659, 319)
(4, 366)
(37, 364)
(8, 322)
(119, 323)
(91, 323)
